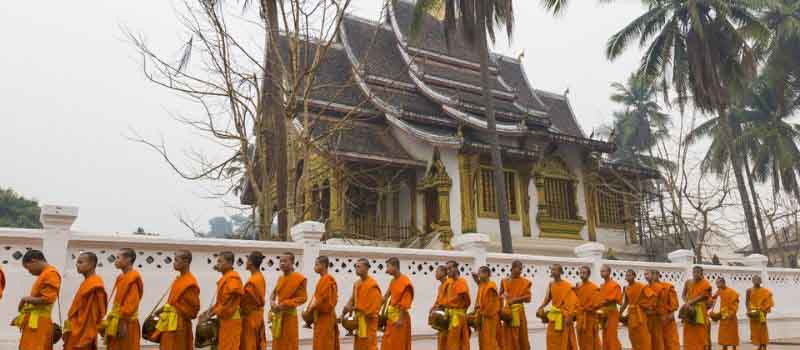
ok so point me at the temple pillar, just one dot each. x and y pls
(591, 208)
(525, 179)
(337, 207)
(467, 166)
(411, 181)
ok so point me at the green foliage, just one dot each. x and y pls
(18, 211)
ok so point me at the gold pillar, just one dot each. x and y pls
(337, 210)
(541, 199)
(591, 208)
(525, 201)
(467, 163)
(412, 197)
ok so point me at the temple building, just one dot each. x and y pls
(402, 158)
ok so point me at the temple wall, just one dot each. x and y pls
(60, 244)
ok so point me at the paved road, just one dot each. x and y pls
(786, 344)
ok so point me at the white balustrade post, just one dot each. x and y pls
(309, 233)
(683, 257)
(475, 244)
(593, 251)
(759, 261)
(57, 221)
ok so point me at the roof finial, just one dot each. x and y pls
(521, 55)
(566, 92)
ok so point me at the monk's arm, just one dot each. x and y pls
(299, 298)
(229, 300)
(130, 305)
(492, 307)
(86, 333)
(546, 300)
(188, 305)
(624, 303)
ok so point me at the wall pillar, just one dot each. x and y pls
(309, 233)
(57, 221)
(759, 261)
(593, 251)
(683, 257)
(476, 244)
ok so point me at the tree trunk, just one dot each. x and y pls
(274, 104)
(497, 162)
(756, 205)
(736, 162)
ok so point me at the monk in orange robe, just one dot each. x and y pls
(759, 304)
(697, 294)
(289, 293)
(610, 297)
(440, 303)
(563, 306)
(34, 320)
(323, 307)
(254, 333)
(487, 309)
(456, 302)
(366, 303)
(639, 301)
(666, 307)
(516, 291)
(182, 306)
(88, 306)
(2, 283)
(122, 324)
(586, 316)
(397, 335)
(728, 323)
(654, 318)
(227, 306)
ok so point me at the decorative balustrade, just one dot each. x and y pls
(154, 260)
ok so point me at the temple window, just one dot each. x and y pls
(487, 203)
(560, 198)
(557, 193)
(610, 207)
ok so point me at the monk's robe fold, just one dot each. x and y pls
(174, 330)
(2, 283)
(401, 295)
(655, 322)
(610, 295)
(667, 306)
(441, 298)
(759, 299)
(729, 323)
(456, 302)
(85, 314)
(367, 302)
(487, 304)
(254, 332)
(35, 321)
(125, 313)
(326, 331)
(641, 300)
(696, 336)
(514, 335)
(227, 309)
(563, 305)
(586, 319)
(290, 291)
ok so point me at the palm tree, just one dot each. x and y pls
(782, 46)
(476, 19)
(700, 48)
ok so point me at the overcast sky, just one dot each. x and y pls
(72, 90)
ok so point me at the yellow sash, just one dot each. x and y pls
(33, 312)
(554, 315)
(516, 315)
(699, 314)
(362, 324)
(393, 313)
(455, 315)
(111, 323)
(277, 321)
(167, 319)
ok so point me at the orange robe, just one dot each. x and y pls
(37, 327)
(457, 301)
(586, 317)
(759, 299)
(610, 297)
(441, 297)
(729, 323)
(562, 336)
(229, 297)
(367, 305)
(2, 283)
(128, 291)
(655, 324)
(487, 304)
(515, 337)
(254, 333)
(291, 293)
(184, 300)
(640, 300)
(326, 331)
(401, 295)
(695, 336)
(85, 314)
(667, 305)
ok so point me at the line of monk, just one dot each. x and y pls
(584, 316)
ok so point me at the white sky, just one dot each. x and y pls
(72, 89)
